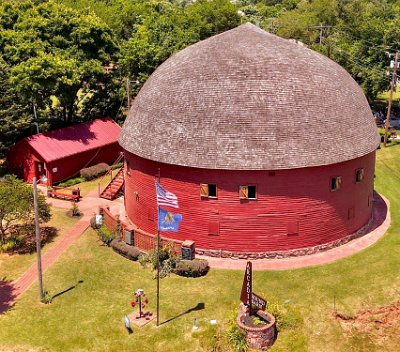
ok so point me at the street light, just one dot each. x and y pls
(37, 232)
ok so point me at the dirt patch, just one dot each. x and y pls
(381, 325)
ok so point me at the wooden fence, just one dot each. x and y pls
(141, 240)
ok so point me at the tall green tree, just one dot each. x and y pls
(54, 53)
(16, 206)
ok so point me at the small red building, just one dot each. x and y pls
(62, 153)
(268, 145)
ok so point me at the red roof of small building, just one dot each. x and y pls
(58, 144)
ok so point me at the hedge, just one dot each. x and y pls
(125, 250)
(92, 172)
(192, 268)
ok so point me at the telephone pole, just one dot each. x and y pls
(392, 88)
(128, 92)
(321, 32)
(38, 244)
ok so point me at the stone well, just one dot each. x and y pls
(259, 337)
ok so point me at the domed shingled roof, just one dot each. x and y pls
(249, 100)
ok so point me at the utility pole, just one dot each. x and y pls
(392, 88)
(35, 115)
(321, 32)
(128, 92)
(38, 245)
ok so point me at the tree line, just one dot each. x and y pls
(67, 61)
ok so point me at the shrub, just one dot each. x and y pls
(192, 268)
(47, 297)
(168, 259)
(75, 210)
(237, 337)
(125, 250)
(106, 235)
(71, 182)
(11, 244)
(92, 172)
(117, 166)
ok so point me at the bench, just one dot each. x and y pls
(67, 196)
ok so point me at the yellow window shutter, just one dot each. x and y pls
(243, 192)
(338, 182)
(203, 190)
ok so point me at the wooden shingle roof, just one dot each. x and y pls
(249, 100)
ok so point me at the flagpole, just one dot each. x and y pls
(158, 258)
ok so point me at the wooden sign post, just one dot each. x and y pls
(245, 296)
(248, 297)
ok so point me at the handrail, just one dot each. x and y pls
(120, 157)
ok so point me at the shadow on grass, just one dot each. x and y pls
(199, 306)
(66, 290)
(7, 295)
(28, 243)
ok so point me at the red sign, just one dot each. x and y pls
(245, 296)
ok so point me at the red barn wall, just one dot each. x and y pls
(70, 166)
(286, 199)
(22, 162)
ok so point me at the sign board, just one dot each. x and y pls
(257, 301)
(99, 220)
(245, 296)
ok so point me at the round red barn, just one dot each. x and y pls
(268, 145)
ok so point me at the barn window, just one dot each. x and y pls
(247, 192)
(213, 228)
(208, 190)
(293, 228)
(336, 183)
(359, 175)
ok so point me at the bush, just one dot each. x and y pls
(71, 182)
(75, 211)
(168, 259)
(117, 166)
(237, 337)
(92, 172)
(11, 244)
(106, 235)
(192, 268)
(125, 250)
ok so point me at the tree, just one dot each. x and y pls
(16, 206)
(55, 54)
(15, 114)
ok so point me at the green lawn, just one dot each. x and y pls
(88, 317)
(13, 266)
(88, 186)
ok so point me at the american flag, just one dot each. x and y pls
(166, 198)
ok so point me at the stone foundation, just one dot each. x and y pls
(286, 254)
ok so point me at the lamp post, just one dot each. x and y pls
(37, 232)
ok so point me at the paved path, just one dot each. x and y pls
(89, 205)
(379, 226)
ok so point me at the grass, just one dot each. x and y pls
(89, 186)
(13, 266)
(88, 316)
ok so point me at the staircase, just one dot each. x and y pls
(114, 188)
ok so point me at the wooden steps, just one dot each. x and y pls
(114, 188)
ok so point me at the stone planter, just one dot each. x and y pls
(259, 337)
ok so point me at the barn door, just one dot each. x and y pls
(39, 169)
